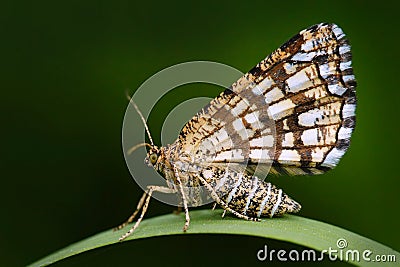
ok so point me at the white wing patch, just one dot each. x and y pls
(294, 110)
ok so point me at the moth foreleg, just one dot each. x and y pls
(185, 204)
(144, 202)
(130, 219)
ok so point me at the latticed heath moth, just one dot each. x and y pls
(292, 114)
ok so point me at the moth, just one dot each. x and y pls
(292, 114)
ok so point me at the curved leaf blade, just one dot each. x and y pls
(290, 228)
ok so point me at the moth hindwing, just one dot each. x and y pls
(293, 113)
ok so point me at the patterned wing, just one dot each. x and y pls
(295, 110)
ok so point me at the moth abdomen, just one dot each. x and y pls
(250, 196)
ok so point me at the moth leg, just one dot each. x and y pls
(130, 219)
(214, 206)
(146, 199)
(223, 204)
(184, 200)
(223, 214)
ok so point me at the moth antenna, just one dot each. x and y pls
(130, 151)
(141, 116)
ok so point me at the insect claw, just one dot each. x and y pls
(223, 214)
(122, 237)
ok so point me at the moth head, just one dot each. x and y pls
(154, 153)
(152, 156)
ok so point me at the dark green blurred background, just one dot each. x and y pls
(65, 67)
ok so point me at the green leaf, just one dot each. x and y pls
(295, 229)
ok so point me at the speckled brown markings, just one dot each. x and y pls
(293, 113)
(250, 196)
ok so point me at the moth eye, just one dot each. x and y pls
(153, 158)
